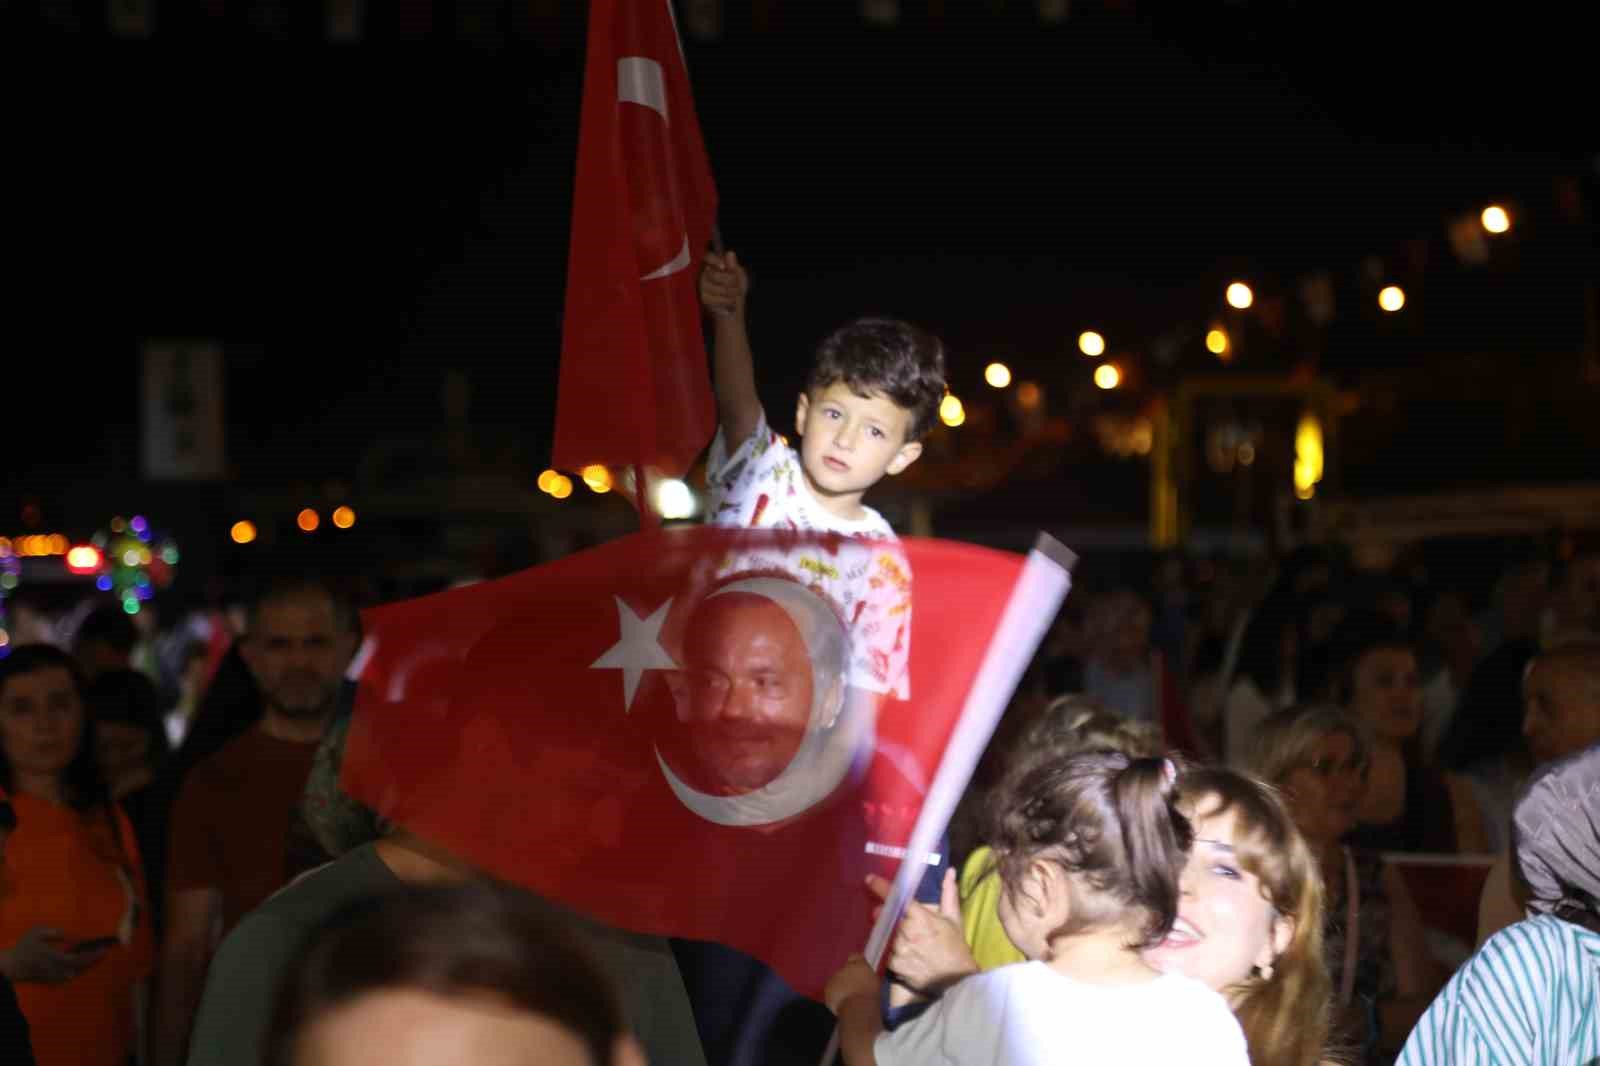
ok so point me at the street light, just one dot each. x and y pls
(998, 375)
(1091, 344)
(951, 411)
(1240, 296)
(1495, 219)
(1107, 376)
(1392, 298)
(1217, 342)
(1307, 456)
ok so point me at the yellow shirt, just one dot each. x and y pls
(980, 913)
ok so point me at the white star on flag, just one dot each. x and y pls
(639, 649)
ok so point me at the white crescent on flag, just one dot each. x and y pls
(641, 81)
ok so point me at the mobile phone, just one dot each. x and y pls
(86, 947)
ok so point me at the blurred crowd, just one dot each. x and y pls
(162, 788)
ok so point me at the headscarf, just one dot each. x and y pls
(1556, 827)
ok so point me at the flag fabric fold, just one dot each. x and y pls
(666, 751)
(634, 390)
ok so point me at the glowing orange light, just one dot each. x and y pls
(1091, 344)
(597, 477)
(1029, 396)
(1495, 219)
(1392, 298)
(1240, 296)
(344, 517)
(1107, 376)
(562, 487)
(998, 375)
(243, 532)
(548, 480)
(308, 520)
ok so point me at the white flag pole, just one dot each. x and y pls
(677, 34)
(1043, 584)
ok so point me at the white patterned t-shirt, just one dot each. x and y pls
(864, 573)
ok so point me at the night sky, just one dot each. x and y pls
(350, 220)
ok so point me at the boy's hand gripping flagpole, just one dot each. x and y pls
(1045, 580)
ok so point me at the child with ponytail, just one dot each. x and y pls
(1089, 850)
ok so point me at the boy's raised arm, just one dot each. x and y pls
(723, 287)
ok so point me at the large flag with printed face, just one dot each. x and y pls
(634, 386)
(670, 745)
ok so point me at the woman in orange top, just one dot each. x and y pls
(74, 934)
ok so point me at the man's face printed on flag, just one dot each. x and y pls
(745, 694)
(749, 689)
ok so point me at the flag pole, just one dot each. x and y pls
(683, 57)
(1045, 580)
(648, 519)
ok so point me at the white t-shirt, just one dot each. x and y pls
(865, 576)
(1030, 1015)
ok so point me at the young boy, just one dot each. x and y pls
(870, 398)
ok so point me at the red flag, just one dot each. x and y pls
(609, 730)
(634, 388)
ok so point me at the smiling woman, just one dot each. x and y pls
(1250, 923)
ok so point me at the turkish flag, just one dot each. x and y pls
(670, 751)
(634, 387)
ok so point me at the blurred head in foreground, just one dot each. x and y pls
(465, 973)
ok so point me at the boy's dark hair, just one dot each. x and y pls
(888, 356)
(472, 941)
(1110, 821)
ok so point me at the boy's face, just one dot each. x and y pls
(848, 442)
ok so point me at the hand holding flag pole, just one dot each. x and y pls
(1045, 580)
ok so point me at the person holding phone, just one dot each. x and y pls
(74, 937)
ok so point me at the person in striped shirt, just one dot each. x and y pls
(1529, 995)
